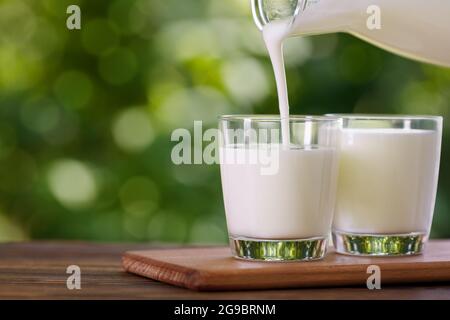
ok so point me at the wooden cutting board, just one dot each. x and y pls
(213, 268)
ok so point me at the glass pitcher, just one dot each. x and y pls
(415, 29)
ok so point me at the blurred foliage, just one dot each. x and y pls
(86, 115)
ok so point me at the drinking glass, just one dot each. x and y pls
(278, 190)
(388, 175)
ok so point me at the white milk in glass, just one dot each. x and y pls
(279, 198)
(295, 203)
(387, 181)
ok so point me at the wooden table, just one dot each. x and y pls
(37, 270)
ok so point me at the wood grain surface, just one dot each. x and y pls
(215, 269)
(37, 270)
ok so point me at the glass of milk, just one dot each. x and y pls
(278, 190)
(388, 175)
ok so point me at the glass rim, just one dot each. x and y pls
(274, 117)
(361, 116)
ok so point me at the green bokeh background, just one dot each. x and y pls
(86, 115)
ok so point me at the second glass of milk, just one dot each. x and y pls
(387, 183)
(278, 190)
